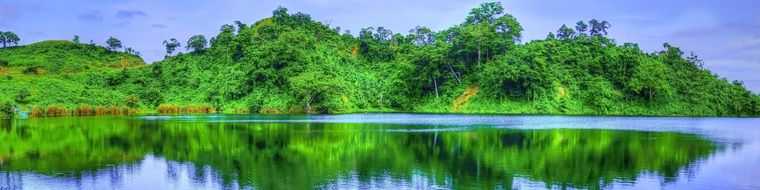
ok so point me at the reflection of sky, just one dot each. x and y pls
(725, 33)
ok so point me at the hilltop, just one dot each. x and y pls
(59, 56)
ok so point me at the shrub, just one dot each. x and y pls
(37, 112)
(151, 97)
(30, 70)
(6, 110)
(100, 110)
(113, 110)
(23, 96)
(53, 110)
(132, 101)
(169, 109)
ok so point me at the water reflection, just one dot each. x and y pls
(135, 153)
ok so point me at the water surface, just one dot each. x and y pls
(385, 151)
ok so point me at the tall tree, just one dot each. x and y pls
(113, 43)
(581, 27)
(487, 31)
(487, 12)
(599, 28)
(422, 36)
(565, 32)
(240, 26)
(171, 46)
(197, 43)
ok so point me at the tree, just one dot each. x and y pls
(581, 27)
(320, 91)
(8, 38)
(565, 33)
(550, 36)
(132, 51)
(240, 26)
(171, 45)
(197, 43)
(75, 39)
(113, 44)
(422, 36)
(487, 12)
(599, 28)
(227, 32)
(650, 79)
(487, 32)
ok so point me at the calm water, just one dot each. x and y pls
(385, 151)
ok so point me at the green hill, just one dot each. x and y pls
(62, 74)
(66, 57)
(289, 63)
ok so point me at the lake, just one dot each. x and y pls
(379, 151)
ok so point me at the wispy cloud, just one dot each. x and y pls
(92, 16)
(158, 26)
(129, 14)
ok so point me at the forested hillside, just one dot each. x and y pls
(289, 63)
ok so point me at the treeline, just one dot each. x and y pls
(289, 63)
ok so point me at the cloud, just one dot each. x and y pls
(129, 14)
(158, 26)
(92, 16)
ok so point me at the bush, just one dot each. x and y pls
(6, 110)
(23, 96)
(132, 101)
(53, 110)
(151, 97)
(4, 63)
(30, 70)
(36, 112)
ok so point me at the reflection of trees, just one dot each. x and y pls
(302, 156)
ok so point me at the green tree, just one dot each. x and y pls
(8, 38)
(581, 27)
(113, 44)
(197, 43)
(75, 39)
(319, 91)
(565, 33)
(240, 26)
(171, 46)
(649, 79)
(599, 28)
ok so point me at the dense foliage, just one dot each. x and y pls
(289, 63)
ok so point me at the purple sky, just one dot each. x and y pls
(726, 34)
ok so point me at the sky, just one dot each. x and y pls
(725, 34)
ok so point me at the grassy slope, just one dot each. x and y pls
(66, 75)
